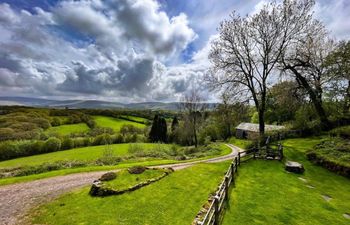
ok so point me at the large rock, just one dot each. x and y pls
(294, 167)
(108, 176)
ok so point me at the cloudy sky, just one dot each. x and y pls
(120, 50)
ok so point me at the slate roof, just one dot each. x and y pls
(254, 127)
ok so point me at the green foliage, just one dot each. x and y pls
(333, 154)
(52, 145)
(67, 143)
(108, 157)
(343, 132)
(159, 129)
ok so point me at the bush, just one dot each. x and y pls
(52, 145)
(343, 132)
(6, 133)
(108, 157)
(67, 143)
(102, 139)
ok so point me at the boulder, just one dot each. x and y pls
(294, 167)
(108, 176)
(137, 169)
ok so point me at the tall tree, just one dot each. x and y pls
(193, 107)
(338, 64)
(158, 132)
(248, 49)
(305, 61)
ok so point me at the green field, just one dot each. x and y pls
(176, 199)
(83, 154)
(115, 123)
(137, 119)
(90, 154)
(68, 129)
(266, 194)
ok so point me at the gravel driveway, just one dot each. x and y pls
(17, 199)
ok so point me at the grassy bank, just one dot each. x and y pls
(266, 194)
(91, 154)
(175, 199)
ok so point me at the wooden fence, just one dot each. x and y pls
(211, 214)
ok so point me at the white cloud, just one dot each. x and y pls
(129, 41)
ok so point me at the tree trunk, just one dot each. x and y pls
(347, 100)
(261, 123)
(195, 131)
(316, 98)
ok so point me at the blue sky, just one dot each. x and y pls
(120, 50)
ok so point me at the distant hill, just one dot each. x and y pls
(89, 104)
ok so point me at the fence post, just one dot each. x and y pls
(217, 212)
(239, 158)
(227, 187)
(233, 171)
(237, 163)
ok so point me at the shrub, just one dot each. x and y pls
(102, 139)
(108, 157)
(67, 143)
(6, 133)
(135, 149)
(52, 145)
(343, 132)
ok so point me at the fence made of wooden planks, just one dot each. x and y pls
(211, 214)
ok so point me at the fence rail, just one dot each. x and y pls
(211, 214)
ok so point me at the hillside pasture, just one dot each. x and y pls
(68, 129)
(115, 123)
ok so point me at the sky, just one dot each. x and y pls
(121, 50)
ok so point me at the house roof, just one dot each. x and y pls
(254, 127)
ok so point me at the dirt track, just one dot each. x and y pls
(16, 199)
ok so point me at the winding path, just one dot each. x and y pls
(17, 199)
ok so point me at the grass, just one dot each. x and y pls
(334, 150)
(266, 194)
(125, 180)
(176, 199)
(68, 129)
(89, 153)
(114, 123)
(242, 143)
(82, 154)
(137, 119)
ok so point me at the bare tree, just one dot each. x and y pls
(193, 107)
(248, 49)
(305, 61)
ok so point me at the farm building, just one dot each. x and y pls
(251, 130)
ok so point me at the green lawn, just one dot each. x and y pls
(176, 199)
(68, 129)
(83, 154)
(115, 123)
(90, 154)
(266, 194)
(242, 143)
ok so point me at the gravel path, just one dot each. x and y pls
(17, 199)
